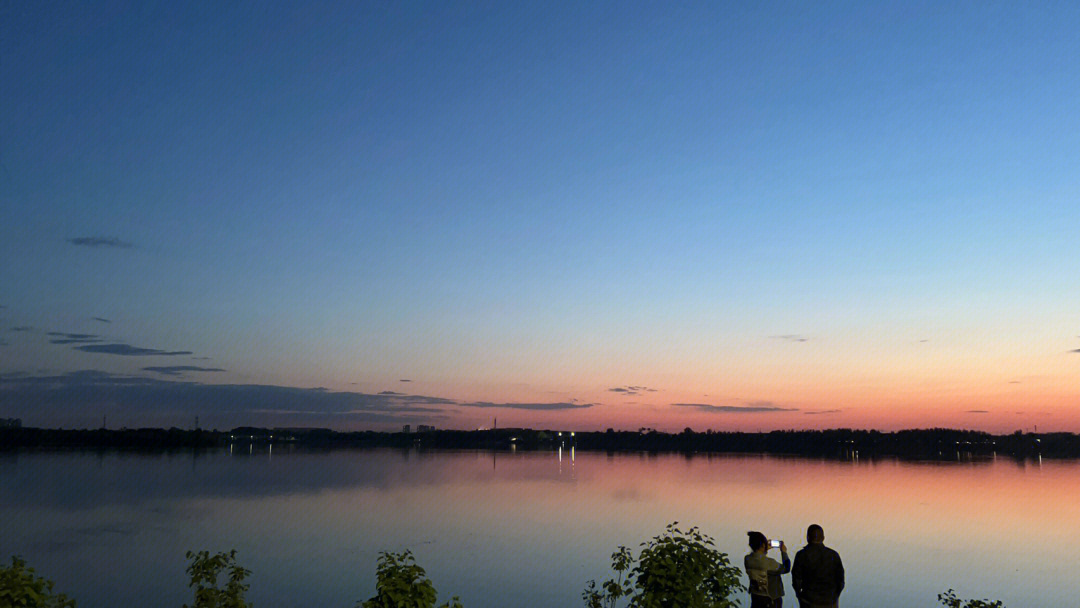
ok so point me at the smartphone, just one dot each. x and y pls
(775, 544)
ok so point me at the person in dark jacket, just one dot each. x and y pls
(818, 574)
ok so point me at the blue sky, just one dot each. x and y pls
(533, 203)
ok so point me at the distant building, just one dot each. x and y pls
(10, 423)
(423, 428)
(406, 428)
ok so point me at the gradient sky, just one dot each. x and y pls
(785, 215)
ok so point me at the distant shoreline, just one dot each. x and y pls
(840, 444)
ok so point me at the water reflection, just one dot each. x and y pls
(536, 525)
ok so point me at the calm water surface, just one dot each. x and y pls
(527, 528)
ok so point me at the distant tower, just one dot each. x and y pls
(495, 424)
(196, 423)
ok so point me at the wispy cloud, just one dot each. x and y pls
(176, 370)
(21, 328)
(128, 350)
(404, 380)
(978, 412)
(815, 412)
(390, 393)
(631, 390)
(530, 406)
(749, 408)
(100, 241)
(1075, 350)
(60, 337)
(103, 320)
(791, 337)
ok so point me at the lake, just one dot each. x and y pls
(527, 529)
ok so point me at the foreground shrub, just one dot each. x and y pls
(677, 569)
(401, 583)
(950, 600)
(204, 571)
(21, 588)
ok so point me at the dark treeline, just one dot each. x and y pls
(848, 444)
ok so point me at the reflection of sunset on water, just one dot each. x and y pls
(540, 523)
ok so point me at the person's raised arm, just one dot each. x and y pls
(784, 558)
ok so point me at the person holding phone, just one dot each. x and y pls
(766, 586)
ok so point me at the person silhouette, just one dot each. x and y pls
(818, 574)
(766, 586)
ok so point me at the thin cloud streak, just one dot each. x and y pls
(755, 407)
(547, 407)
(631, 390)
(791, 338)
(100, 241)
(66, 338)
(176, 370)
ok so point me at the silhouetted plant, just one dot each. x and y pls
(950, 600)
(21, 588)
(677, 569)
(204, 571)
(401, 583)
(613, 588)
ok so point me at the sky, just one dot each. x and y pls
(561, 215)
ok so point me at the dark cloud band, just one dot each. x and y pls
(128, 350)
(90, 390)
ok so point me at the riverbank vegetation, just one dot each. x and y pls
(845, 444)
(675, 569)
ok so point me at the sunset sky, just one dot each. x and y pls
(735, 216)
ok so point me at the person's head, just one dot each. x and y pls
(814, 534)
(758, 541)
